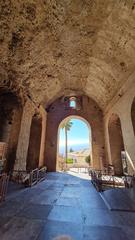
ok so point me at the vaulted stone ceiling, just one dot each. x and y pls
(49, 47)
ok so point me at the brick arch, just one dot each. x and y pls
(116, 143)
(88, 110)
(89, 130)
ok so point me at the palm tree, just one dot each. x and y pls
(66, 126)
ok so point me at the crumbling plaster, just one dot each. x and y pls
(49, 46)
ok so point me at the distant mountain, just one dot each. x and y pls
(74, 148)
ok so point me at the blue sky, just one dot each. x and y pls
(78, 136)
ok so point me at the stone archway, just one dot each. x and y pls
(133, 114)
(88, 110)
(116, 143)
(33, 154)
(70, 118)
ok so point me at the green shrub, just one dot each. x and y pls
(69, 161)
(88, 159)
(71, 150)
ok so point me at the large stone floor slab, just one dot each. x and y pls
(63, 204)
(21, 228)
(120, 199)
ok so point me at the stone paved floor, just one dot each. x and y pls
(62, 204)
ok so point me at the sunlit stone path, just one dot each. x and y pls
(63, 204)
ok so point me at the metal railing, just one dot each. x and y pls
(42, 174)
(4, 179)
(33, 178)
(29, 178)
(103, 181)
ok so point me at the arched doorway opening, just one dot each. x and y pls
(74, 143)
(10, 122)
(118, 157)
(133, 114)
(34, 143)
(84, 107)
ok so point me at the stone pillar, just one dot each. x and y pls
(23, 142)
(129, 139)
(42, 146)
(107, 142)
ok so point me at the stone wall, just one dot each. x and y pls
(90, 111)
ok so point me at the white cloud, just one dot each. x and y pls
(74, 142)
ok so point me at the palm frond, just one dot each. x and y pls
(67, 124)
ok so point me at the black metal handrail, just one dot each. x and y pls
(42, 174)
(28, 178)
(4, 179)
(102, 180)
